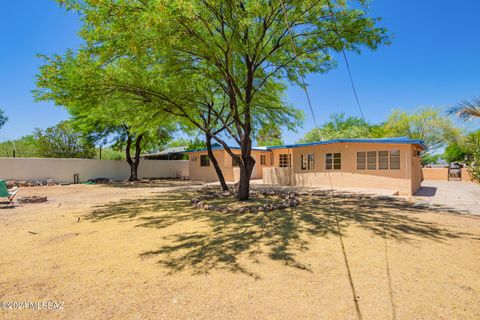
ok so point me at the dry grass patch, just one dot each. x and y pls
(150, 254)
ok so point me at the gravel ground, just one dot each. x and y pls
(143, 252)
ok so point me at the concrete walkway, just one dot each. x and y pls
(455, 195)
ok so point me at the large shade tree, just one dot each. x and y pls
(63, 141)
(246, 48)
(340, 126)
(77, 83)
(427, 124)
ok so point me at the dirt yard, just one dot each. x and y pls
(143, 252)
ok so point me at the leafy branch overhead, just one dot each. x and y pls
(230, 60)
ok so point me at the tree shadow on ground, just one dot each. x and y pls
(223, 239)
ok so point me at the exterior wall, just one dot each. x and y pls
(231, 174)
(398, 180)
(442, 174)
(258, 170)
(277, 176)
(62, 170)
(466, 177)
(416, 169)
(208, 174)
(435, 174)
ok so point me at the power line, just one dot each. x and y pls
(347, 265)
(302, 77)
(385, 236)
(352, 83)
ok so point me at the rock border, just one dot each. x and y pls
(286, 199)
(32, 199)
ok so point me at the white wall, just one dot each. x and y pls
(62, 170)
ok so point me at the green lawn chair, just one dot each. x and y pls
(7, 193)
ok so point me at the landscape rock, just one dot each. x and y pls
(286, 199)
(103, 181)
(32, 199)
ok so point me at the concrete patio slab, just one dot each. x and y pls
(455, 195)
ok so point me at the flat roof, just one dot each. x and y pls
(221, 148)
(397, 140)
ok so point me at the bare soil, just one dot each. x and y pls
(143, 252)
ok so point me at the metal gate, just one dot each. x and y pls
(454, 173)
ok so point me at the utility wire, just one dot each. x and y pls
(352, 83)
(384, 216)
(347, 265)
(302, 77)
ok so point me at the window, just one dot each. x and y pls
(284, 160)
(204, 161)
(394, 159)
(383, 160)
(368, 160)
(262, 159)
(372, 160)
(271, 159)
(361, 160)
(235, 161)
(308, 162)
(333, 161)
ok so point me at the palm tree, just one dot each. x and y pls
(466, 109)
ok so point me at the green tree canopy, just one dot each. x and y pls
(270, 134)
(431, 158)
(190, 144)
(24, 147)
(80, 84)
(454, 152)
(427, 124)
(62, 141)
(340, 126)
(241, 51)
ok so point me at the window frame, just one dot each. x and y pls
(394, 156)
(284, 163)
(307, 162)
(333, 165)
(263, 160)
(364, 163)
(372, 155)
(384, 165)
(204, 160)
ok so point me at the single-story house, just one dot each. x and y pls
(389, 163)
(201, 168)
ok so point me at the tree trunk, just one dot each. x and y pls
(213, 160)
(246, 168)
(136, 160)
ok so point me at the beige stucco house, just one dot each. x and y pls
(201, 168)
(392, 164)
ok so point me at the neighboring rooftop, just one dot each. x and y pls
(167, 154)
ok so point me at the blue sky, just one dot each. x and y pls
(433, 61)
